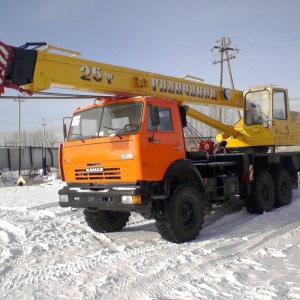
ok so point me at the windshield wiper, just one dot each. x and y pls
(116, 131)
(80, 136)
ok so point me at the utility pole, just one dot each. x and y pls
(44, 149)
(224, 48)
(19, 131)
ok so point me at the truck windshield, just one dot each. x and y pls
(257, 107)
(111, 120)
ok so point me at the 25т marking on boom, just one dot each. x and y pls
(95, 73)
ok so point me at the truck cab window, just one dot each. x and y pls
(85, 124)
(257, 107)
(279, 105)
(123, 118)
(165, 120)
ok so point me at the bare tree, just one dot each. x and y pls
(37, 138)
(34, 139)
(13, 139)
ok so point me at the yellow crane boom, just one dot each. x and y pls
(43, 68)
(71, 72)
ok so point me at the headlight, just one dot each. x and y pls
(134, 199)
(63, 198)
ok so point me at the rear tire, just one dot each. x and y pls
(184, 215)
(263, 197)
(105, 220)
(283, 188)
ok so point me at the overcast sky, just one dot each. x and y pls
(172, 37)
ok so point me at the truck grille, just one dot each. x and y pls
(107, 174)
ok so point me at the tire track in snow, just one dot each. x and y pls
(175, 278)
(212, 231)
(89, 263)
(44, 206)
(82, 264)
(23, 277)
(15, 239)
(114, 255)
(21, 251)
(108, 243)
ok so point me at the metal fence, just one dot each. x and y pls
(27, 158)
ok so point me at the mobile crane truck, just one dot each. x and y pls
(126, 152)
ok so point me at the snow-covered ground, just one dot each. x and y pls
(47, 252)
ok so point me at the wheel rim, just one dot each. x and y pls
(283, 188)
(186, 214)
(265, 193)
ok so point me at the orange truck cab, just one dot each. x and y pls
(117, 153)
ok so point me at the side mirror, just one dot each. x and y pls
(154, 113)
(65, 132)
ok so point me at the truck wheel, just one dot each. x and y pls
(283, 188)
(263, 196)
(106, 220)
(184, 215)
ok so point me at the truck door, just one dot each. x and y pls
(281, 124)
(166, 143)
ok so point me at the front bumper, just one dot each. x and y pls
(109, 198)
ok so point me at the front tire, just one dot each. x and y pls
(184, 215)
(105, 220)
